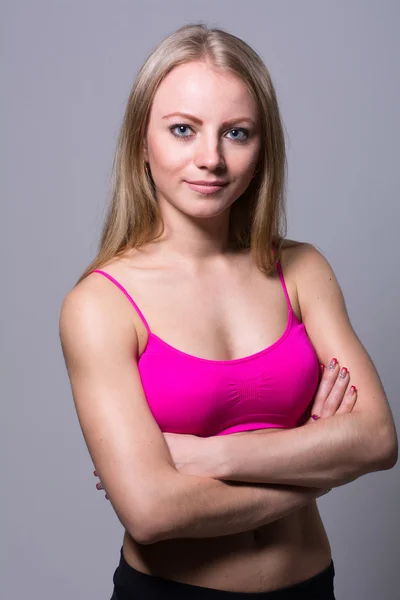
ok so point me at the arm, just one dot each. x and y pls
(331, 451)
(200, 507)
(100, 348)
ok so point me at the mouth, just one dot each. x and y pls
(206, 188)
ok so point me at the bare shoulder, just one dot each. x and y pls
(290, 250)
(295, 252)
(303, 259)
(94, 310)
(307, 272)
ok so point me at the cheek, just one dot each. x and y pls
(242, 160)
(242, 168)
(168, 158)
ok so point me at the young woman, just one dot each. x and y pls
(193, 344)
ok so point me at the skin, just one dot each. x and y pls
(191, 268)
(196, 225)
(194, 455)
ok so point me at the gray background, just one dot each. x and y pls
(67, 69)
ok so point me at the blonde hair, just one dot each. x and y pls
(258, 216)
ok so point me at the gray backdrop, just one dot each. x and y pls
(67, 69)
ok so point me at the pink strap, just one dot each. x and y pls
(123, 290)
(279, 268)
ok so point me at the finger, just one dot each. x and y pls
(334, 399)
(327, 382)
(348, 401)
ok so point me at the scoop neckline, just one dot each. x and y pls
(229, 361)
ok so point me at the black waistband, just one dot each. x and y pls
(130, 583)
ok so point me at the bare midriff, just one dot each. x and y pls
(280, 554)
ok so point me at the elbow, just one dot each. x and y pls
(138, 530)
(144, 525)
(156, 524)
(151, 538)
(159, 516)
(151, 533)
(143, 532)
(148, 511)
(144, 538)
(390, 458)
(147, 532)
(387, 452)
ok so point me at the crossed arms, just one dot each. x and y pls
(283, 470)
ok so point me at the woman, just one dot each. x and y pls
(232, 325)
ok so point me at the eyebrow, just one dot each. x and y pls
(200, 122)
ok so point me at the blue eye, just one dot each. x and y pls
(243, 131)
(178, 126)
(235, 138)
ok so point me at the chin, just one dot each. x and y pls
(208, 209)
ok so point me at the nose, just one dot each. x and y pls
(208, 153)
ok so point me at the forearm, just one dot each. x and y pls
(199, 507)
(327, 453)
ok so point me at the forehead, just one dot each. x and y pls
(200, 89)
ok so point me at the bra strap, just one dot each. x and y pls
(123, 290)
(279, 268)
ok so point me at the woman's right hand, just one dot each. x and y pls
(331, 397)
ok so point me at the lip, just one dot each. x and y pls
(214, 182)
(206, 187)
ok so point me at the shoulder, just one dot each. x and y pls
(297, 257)
(311, 274)
(304, 260)
(95, 313)
(96, 294)
(90, 299)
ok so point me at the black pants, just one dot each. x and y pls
(130, 584)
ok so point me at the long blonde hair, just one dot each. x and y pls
(258, 216)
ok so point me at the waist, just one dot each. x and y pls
(276, 555)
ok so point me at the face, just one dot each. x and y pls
(213, 136)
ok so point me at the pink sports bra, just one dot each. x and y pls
(192, 395)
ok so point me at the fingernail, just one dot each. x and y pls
(343, 373)
(333, 363)
(353, 389)
(106, 497)
(95, 473)
(315, 417)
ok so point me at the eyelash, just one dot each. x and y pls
(188, 137)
